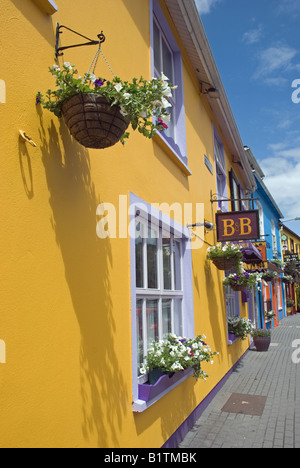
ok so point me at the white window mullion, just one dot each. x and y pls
(160, 323)
(145, 337)
(172, 264)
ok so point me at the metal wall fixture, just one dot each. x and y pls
(208, 226)
(59, 50)
(209, 90)
(27, 138)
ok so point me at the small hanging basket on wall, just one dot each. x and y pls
(92, 121)
(238, 287)
(224, 263)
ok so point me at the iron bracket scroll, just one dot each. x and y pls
(59, 50)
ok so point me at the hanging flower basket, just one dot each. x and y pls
(98, 111)
(287, 279)
(225, 263)
(269, 276)
(241, 280)
(225, 256)
(92, 121)
(238, 287)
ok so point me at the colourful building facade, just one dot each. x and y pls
(290, 243)
(75, 312)
(271, 295)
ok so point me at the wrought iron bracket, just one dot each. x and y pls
(214, 198)
(59, 50)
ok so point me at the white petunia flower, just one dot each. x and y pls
(123, 111)
(165, 103)
(118, 86)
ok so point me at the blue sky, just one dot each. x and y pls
(256, 46)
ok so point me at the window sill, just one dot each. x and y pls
(173, 155)
(150, 394)
(47, 6)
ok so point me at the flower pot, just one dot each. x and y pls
(92, 121)
(224, 263)
(262, 343)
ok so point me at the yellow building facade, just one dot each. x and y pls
(68, 323)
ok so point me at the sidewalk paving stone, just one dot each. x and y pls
(271, 374)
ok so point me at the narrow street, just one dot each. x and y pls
(249, 420)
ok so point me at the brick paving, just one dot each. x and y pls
(272, 374)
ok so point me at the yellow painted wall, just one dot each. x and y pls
(65, 294)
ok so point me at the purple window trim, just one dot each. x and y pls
(187, 279)
(150, 392)
(179, 146)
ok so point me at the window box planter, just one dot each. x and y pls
(232, 337)
(149, 392)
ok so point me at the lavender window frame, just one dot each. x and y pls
(178, 145)
(163, 221)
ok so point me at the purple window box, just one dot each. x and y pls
(232, 337)
(149, 392)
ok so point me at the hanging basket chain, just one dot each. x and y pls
(106, 62)
(95, 61)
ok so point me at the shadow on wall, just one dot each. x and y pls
(87, 262)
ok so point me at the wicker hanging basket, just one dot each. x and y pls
(224, 263)
(238, 287)
(92, 121)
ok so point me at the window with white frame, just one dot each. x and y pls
(274, 240)
(166, 59)
(220, 172)
(161, 281)
(164, 64)
(232, 302)
(261, 219)
(159, 292)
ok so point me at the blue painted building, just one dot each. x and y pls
(271, 294)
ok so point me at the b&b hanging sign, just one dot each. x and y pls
(237, 225)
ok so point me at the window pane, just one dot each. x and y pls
(167, 61)
(152, 259)
(177, 266)
(139, 270)
(178, 326)
(157, 51)
(139, 329)
(166, 316)
(152, 320)
(166, 245)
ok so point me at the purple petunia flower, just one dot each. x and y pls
(99, 82)
(38, 98)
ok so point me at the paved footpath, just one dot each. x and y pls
(270, 422)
